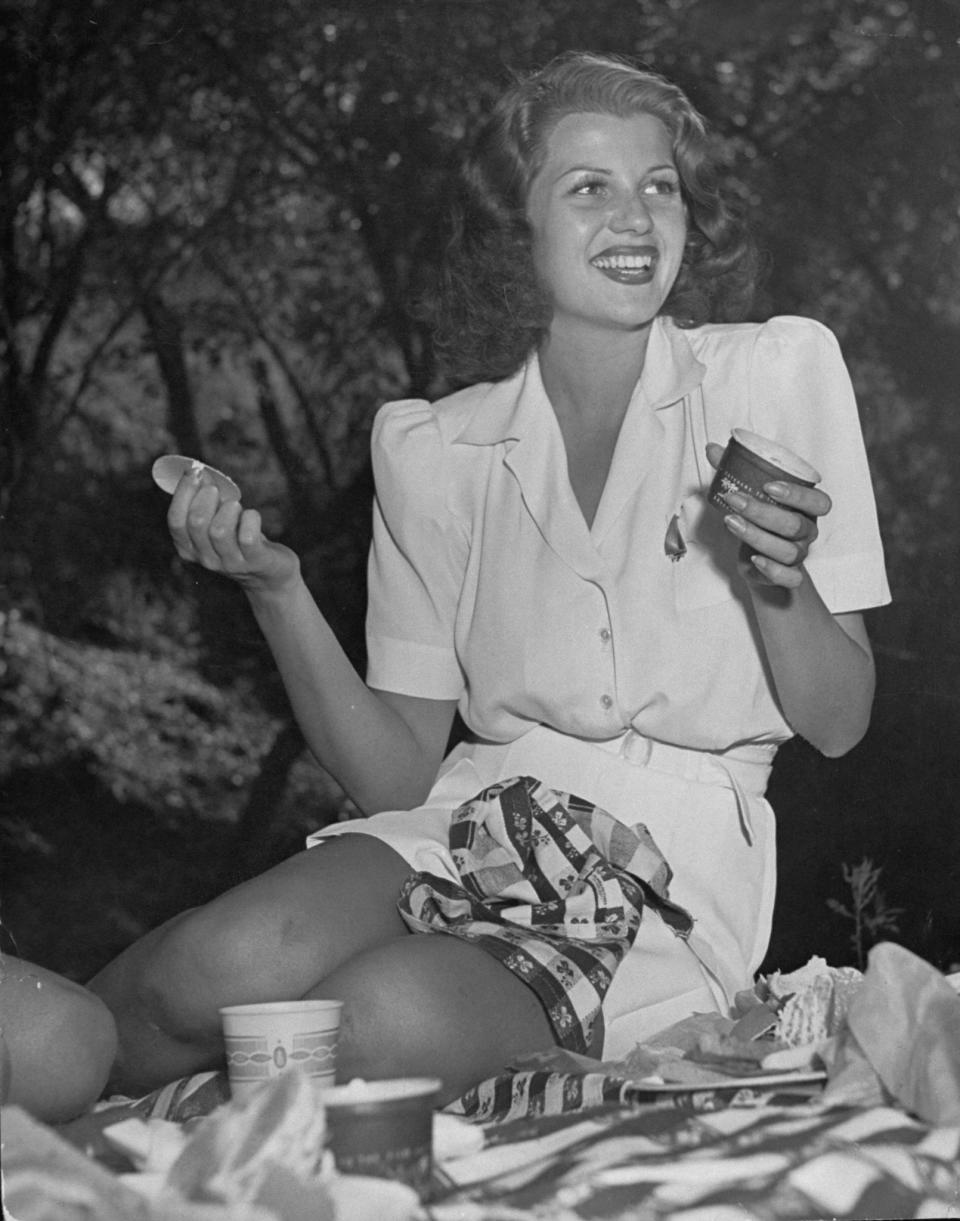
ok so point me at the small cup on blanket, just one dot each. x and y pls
(750, 461)
(273, 1037)
(384, 1129)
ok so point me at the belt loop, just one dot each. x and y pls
(743, 805)
(636, 748)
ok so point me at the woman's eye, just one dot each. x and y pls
(590, 186)
(662, 186)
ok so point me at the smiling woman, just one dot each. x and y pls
(596, 860)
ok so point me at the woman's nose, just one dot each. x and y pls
(631, 214)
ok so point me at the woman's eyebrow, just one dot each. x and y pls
(599, 169)
(582, 169)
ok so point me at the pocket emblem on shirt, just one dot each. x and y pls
(673, 544)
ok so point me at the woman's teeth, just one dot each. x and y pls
(623, 262)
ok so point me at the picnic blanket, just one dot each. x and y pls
(879, 1139)
(740, 1159)
(503, 1099)
(735, 1164)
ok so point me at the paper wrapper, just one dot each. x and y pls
(903, 1031)
(239, 1147)
(47, 1179)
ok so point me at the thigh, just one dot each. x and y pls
(271, 938)
(433, 1005)
(298, 921)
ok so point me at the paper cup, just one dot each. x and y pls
(750, 461)
(264, 1040)
(384, 1129)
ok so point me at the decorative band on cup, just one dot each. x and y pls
(263, 1040)
(750, 461)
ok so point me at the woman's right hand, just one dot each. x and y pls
(224, 537)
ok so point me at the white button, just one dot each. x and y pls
(604, 634)
(606, 701)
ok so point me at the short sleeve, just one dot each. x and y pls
(417, 558)
(801, 394)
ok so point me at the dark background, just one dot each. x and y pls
(214, 221)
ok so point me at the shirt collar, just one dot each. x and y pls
(671, 370)
(511, 409)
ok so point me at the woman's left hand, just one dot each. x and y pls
(774, 539)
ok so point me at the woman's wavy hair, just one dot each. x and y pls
(490, 311)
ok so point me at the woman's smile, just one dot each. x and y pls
(627, 264)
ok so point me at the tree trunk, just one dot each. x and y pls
(167, 336)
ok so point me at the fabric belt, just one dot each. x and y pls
(743, 769)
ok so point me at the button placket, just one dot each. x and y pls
(605, 633)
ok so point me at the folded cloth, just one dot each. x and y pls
(554, 888)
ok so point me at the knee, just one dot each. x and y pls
(91, 1034)
(59, 1042)
(169, 978)
(386, 1024)
(197, 963)
(434, 1007)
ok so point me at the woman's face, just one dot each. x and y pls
(608, 220)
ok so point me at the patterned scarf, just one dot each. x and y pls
(554, 888)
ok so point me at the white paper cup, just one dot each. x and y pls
(264, 1040)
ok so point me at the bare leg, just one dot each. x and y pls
(433, 1005)
(272, 938)
(57, 1041)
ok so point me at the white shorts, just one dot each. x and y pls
(710, 820)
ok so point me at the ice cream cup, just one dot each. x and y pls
(384, 1129)
(273, 1037)
(750, 461)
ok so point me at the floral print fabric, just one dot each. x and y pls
(554, 888)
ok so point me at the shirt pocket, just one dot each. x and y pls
(705, 574)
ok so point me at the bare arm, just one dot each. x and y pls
(383, 748)
(821, 664)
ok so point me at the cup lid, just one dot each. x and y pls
(168, 469)
(778, 455)
(393, 1089)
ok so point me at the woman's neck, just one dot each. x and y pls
(592, 376)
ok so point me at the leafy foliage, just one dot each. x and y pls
(868, 911)
(112, 710)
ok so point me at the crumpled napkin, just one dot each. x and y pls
(259, 1158)
(901, 1040)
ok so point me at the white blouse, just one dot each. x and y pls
(487, 586)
